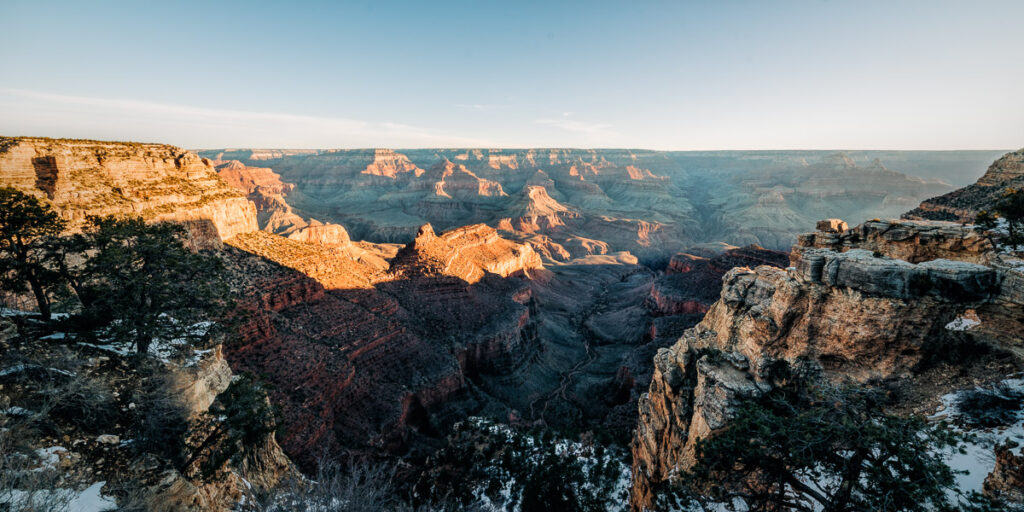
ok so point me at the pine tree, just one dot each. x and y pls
(142, 284)
(830, 449)
(26, 226)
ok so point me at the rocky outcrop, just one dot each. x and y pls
(692, 283)
(536, 211)
(317, 232)
(963, 204)
(907, 240)
(872, 302)
(155, 181)
(1006, 481)
(199, 385)
(259, 468)
(468, 253)
(390, 164)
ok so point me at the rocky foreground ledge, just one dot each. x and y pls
(878, 301)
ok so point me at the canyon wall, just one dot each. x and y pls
(365, 353)
(965, 203)
(155, 181)
(877, 301)
(572, 203)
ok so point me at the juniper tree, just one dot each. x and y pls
(26, 226)
(1011, 208)
(832, 449)
(143, 284)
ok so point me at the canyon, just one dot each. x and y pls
(570, 203)
(384, 295)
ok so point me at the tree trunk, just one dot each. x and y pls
(142, 344)
(41, 299)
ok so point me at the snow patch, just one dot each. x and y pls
(18, 368)
(962, 323)
(979, 459)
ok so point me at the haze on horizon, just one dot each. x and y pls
(658, 75)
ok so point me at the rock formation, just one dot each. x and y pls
(874, 301)
(692, 283)
(266, 190)
(652, 204)
(964, 204)
(155, 181)
(467, 253)
(1006, 481)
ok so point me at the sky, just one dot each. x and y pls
(675, 75)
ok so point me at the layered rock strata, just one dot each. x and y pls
(871, 302)
(369, 353)
(155, 181)
(964, 204)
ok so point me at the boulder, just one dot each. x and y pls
(832, 226)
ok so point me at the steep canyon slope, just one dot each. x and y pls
(875, 302)
(965, 203)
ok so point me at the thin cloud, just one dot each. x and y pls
(481, 107)
(209, 127)
(574, 125)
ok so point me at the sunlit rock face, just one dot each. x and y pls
(468, 253)
(965, 203)
(650, 203)
(155, 181)
(870, 302)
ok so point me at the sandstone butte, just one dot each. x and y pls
(862, 303)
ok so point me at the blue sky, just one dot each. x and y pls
(661, 75)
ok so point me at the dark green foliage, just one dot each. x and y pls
(539, 471)
(991, 407)
(26, 226)
(985, 220)
(828, 449)
(142, 284)
(1010, 207)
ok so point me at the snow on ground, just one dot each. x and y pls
(19, 312)
(980, 457)
(18, 368)
(962, 323)
(15, 411)
(90, 499)
(164, 350)
(49, 457)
